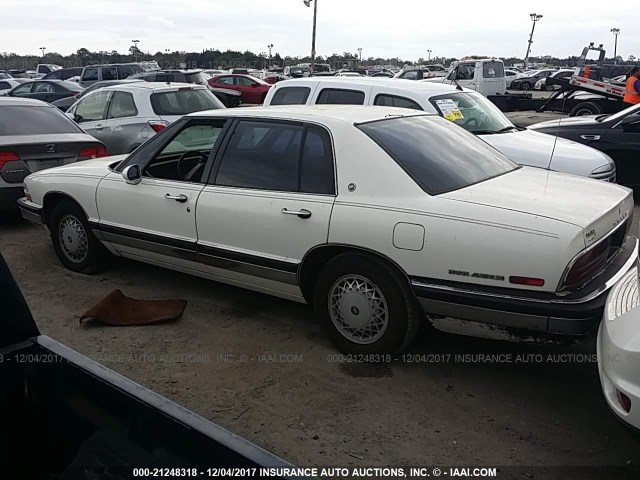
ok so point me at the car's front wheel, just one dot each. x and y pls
(525, 86)
(365, 306)
(75, 245)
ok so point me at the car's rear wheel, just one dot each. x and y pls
(525, 86)
(549, 88)
(75, 245)
(365, 306)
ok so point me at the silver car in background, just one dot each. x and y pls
(123, 117)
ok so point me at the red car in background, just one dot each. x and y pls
(253, 89)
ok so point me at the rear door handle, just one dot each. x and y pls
(99, 126)
(299, 213)
(590, 137)
(178, 198)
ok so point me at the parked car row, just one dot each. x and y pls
(378, 202)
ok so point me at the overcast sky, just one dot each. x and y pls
(403, 28)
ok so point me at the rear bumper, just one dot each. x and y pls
(9, 196)
(576, 314)
(30, 211)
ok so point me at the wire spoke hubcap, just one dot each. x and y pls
(358, 309)
(73, 239)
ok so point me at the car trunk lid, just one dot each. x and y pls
(39, 152)
(596, 207)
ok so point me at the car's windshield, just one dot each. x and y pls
(35, 121)
(473, 112)
(439, 156)
(184, 101)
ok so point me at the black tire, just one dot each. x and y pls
(263, 98)
(585, 108)
(403, 314)
(549, 88)
(68, 215)
(525, 86)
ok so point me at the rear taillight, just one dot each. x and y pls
(532, 282)
(6, 157)
(624, 401)
(587, 265)
(92, 152)
(158, 126)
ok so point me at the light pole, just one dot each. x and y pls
(43, 49)
(616, 32)
(429, 52)
(270, 46)
(313, 37)
(534, 18)
(360, 55)
(135, 48)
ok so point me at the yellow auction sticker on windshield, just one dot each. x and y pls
(449, 109)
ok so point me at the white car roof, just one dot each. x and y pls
(424, 87)
(346, 113)
(153, 86)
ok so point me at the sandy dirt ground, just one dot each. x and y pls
(262, 368)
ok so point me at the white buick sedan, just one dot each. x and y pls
(373, 215)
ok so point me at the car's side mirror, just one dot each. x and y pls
(132, 174)
(71, 115)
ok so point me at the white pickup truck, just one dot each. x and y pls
(485, 76)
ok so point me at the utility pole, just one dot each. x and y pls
(270, 46)
(360, 55)
(534, 18)
(616, 32)
(313, 36)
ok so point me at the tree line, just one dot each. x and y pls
(217, 59)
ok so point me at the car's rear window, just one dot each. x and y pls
(15, 120)
(437, 154)
(184, 101)
(492, 70)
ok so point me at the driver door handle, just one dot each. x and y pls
(300, 213)
(178, 198)
(590, 137)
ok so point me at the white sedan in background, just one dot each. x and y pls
(372, 215)
(619, 350)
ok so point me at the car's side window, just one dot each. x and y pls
(291, 96)
(4, 86)
(396, 101)
(122, 105)
(337, 96)
(225, 80)
(22, 89)
(410, 75)
(90, 74)
(110, 73)
(316, 170)
(43, 88)
(242, 81)
(262, 155)
(186, 155)
(92, 108)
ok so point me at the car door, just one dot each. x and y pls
(268, 202)
(123, 125)
(248, 89)
(155, 219)
(227, 82)
(90, 113)
(622, 143)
